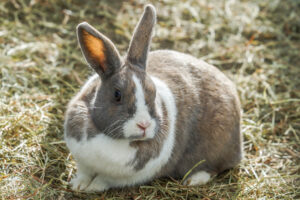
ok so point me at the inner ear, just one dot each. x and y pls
(98, 50)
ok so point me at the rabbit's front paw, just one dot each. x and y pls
(80, 182)
(199, 178)
(97, 185)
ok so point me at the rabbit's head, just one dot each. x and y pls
(125, 105)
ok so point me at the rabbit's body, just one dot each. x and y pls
(177, 113)
(116, 162)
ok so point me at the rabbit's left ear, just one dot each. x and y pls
(98, 50)
(140, 42)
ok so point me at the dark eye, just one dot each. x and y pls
(118, 95)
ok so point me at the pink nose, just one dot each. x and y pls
(143, 125)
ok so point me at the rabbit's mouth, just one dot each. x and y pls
(143, 136)
(138, 138)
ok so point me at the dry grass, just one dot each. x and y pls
(257, 43)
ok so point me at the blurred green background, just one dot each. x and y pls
(256, 43)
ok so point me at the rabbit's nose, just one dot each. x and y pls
(143, 125)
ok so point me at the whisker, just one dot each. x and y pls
(113, 129)
(97, 107)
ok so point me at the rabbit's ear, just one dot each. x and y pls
(98, 50)
(140, 42)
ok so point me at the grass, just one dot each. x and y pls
(256, 43)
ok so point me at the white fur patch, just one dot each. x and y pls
(155, 165)
(142, 114)
(200, 178)
(103, 154)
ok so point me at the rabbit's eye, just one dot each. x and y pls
(118, 95)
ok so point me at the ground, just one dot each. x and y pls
(256, 43)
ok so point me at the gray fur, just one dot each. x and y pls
(140, 42)
(78, 109)
(208, 116)
(116, 114)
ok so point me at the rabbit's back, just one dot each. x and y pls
(208, 118)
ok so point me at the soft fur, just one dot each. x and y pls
(189, 110)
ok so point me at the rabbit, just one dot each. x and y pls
(149, 114)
